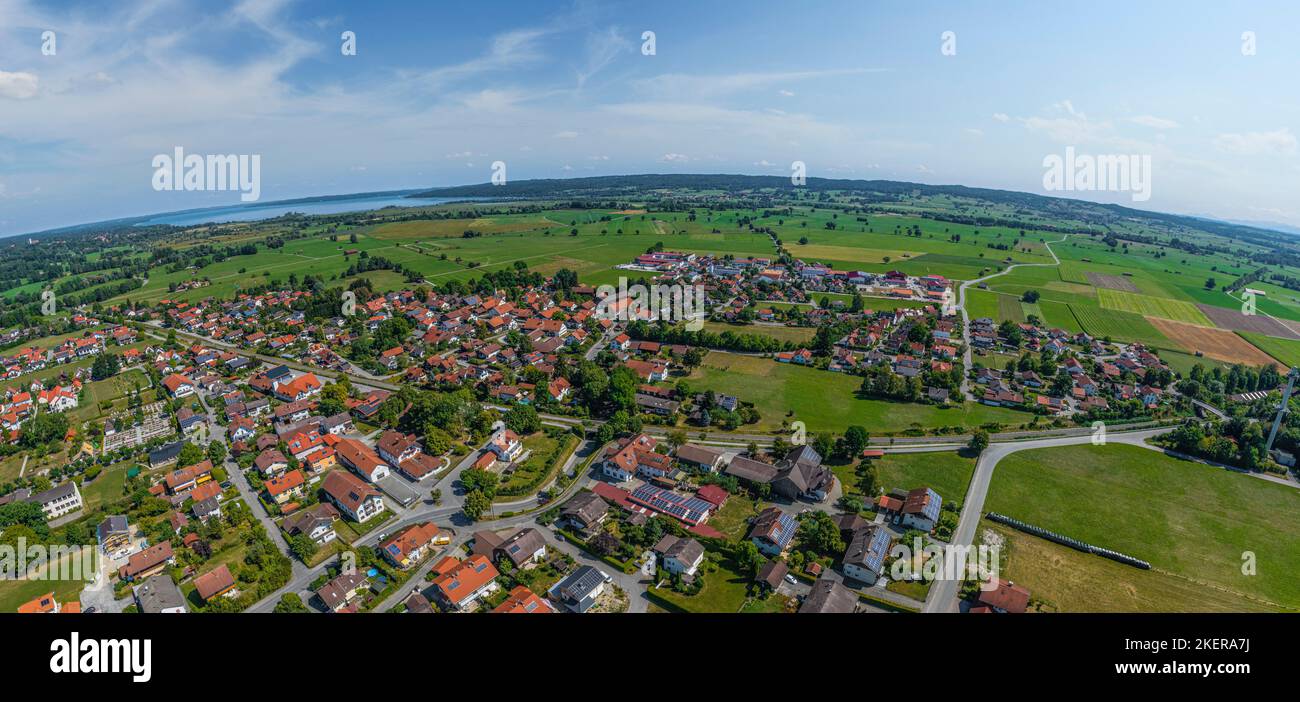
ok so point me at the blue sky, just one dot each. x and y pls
(438, 91)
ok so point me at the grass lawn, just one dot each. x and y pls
(1187, 519)
(797, 335)
(1066, 580)
(724, 592)
(947, 472)
(772, 604)
(530, 475)
(733, 519)
(827, 401)
(1285, 350)
(16, 592)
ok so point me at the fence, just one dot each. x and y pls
(1067, 541)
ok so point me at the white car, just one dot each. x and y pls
(791, 579)
(608, 578)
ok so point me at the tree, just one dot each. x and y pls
(979, 440)
(476, 504)
(481, 481)
(676, 438)
(216, 452)
(106, 365)
(290, 603)
(302, 547)
(819, 532)
(523, 419)
(44, 429)
(1209, 283)
(855, 440)
(1030, 296)
(748, 558)
(189, 455)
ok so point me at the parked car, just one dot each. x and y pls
(791, 579)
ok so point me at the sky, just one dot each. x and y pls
(975, 94)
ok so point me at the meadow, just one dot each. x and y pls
(1189, 520)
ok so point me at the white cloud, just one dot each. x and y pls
(785, 93)
(674, 158)
(682, 85)
(974, 132)
(1001, 117)
(18, 86)
(566, 134)
(1154, 122)
(1280, 141)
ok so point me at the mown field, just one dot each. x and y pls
(1192, 522)
(826, 401)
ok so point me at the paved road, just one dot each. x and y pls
(943, 593)
(965, 317)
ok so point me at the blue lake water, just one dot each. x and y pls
(255, 212)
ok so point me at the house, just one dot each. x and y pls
(1007, 597)
(506, 445)
(771, 575)
(864, 559)
(271, 462)
(460, 584)
(286, 487)
(343, 592)
(150, 561)
(578, 592)
(748, 469)
(58, 500)
(584, 511)
(178, 385)
(362, 459)
(356, 499)
(802, 475)
(410, 545)
(159, 595)
(299, 388)
(417, 603)
(772, 531)
(523, 601)
(47, 604)
(682, 556)
(396, 447)
(214, 583)
(625, 458)
(114, 535)
(921, 509)
(699, 458)
(827, 596)
(523, 547)
(317, 523)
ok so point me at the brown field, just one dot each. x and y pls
(1236, 321)
(628, 212)
(1219, 344)
(1114, 282)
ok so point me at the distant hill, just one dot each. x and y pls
(627, 185)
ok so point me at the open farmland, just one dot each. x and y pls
(1218, 344)
(1112, 282)
(1189, 520)
(1285, 350)
(1120, 326)
(1148, 306)
(827, 401)
(1234, 320)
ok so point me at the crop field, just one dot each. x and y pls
(1112, 282)
(1236, 321)
(826, 401)
(1189, 520)
(797, 335)
(1285, 350)
(1147, 306)
(1121, 326)
(948, 472)
(982, 303)
(1059, 315)
(1009, 308)
(1215, 343)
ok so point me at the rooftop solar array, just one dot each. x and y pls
(877, 550)
(932, 505)
(785, 528)
(691, 510)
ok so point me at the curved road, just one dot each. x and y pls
(943, 593)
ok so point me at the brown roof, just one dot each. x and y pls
(214, 583)
(147, 559)
(1008, 596)
(347, 489)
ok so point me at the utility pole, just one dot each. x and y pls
(1282, 408)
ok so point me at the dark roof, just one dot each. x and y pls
(586, 506)
(772, 573)
(158, 593)
(751, 470)
(697, 454)
(826, 596)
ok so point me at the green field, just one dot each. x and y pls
(797, 335)
(1146, 305)
(1189, 520)
(826, 401)
(1120, 326)
(947, 472)
(1285, 350)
